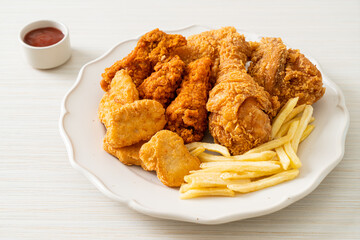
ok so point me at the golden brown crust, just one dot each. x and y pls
(127, 155)
(285, 73)
(167, 154)
(134, 122)
(150, 49)
(239, 107)
(187, 115)
(162, 84)
(122, 91)
(207, 44)
(302, 79)
(268, 64)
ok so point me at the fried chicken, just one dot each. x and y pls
(135, 122)
(302, 79)
(187, 115)
(151, 48)
(166, 154)
(206, 44)
(285, 73)
(162, 84)
(240, 110)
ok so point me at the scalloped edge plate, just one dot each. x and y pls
(140, 190)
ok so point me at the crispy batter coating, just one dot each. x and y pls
(127, 155)
(122, 91)
(207, 44)
(162, 84)
(167, 155)
(150, 49)
(268, 64)
(239, 107)
(302, 79)
(187, 115)
(134, 122)
(285, 73)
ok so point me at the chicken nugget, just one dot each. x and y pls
(134, 122)
(127, 155)
(122, 91)
(167, 154)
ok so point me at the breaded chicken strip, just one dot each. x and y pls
(122, 91)
(206, 44)
(166, 154)
(285, 73)
(162, 84)
(150, 49)
(240, 109)
(135, 122)
(187, 115)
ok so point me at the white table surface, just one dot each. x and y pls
(43, 197)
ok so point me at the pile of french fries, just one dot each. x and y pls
(269, 164)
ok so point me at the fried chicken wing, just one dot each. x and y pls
(167, 155)
(187, 115)
(150, 49)
(135, 122)
(207, 44)
(240, 109)
(162, 84)
(302, 79)
(122, 91)
(285, 73)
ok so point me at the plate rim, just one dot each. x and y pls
(133, 204)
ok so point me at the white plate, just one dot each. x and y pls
(140, 190)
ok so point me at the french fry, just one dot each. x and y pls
(285, 127)
(280, 118)
(307, 132)
(294, 159)
(246, 175)
(205, 177)
(202, 181)
(266, 155)
(305, 118)
(200, 192)
(295, 112)
(239, 166)
(210, 147)
(265, 182)
(197, 173)
(284, 159)
(276, 142)
(197, 151)
(261, 167)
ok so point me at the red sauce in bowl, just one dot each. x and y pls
(43, 37)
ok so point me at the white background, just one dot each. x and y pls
(42, 197)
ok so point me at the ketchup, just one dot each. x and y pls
(43, 37)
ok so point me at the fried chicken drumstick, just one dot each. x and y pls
(187, 115)
(285, 73)
(151, 48)
(240, 110)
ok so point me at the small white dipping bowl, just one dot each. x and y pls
(49, 56)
